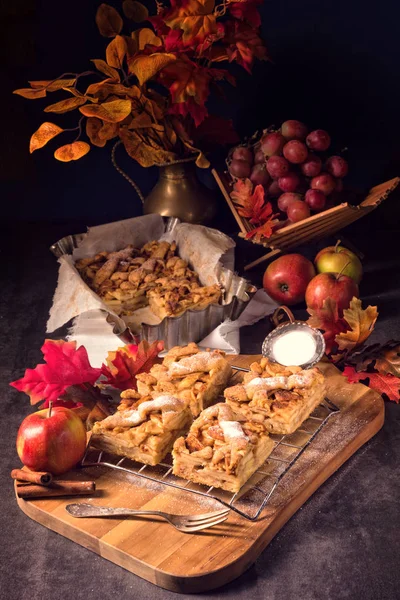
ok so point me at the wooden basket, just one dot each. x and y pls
(315, 227)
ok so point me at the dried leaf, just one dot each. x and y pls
(30, 93)
(328, 320)
(202, 162)
(108, 131)
(384, 384)
(72, 151)
(143, 37)
(115, 52)
(66, 365)
(389, 361)
(361, 324)
(112, 112)
(53, 86)
(65, 105)
(124, 364)
(242, 190)
(145, 154)
(46, 132)
(196, 18)
(93, 126)
(104, 68)
(135, 11)
(108, 21)
(145, 67)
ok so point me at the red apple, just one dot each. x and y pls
(337, 259)
(339, 288)
(287, 277)
(54, 443)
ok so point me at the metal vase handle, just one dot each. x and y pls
(279, 314)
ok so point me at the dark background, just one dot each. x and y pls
(335, 66)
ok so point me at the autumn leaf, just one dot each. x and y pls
(115, 52)
(66, 365)
(145, 67)
(263, 231)
(30, 93)
(135, 11)
(384, 384)
(143, 37)
(196, 18)
(361, 324)
(328, 320)
(46, 132)
(53, 85)
(93, 126)
(113, 112)
(242, 190)
(246, 11)
(104, 68)
(244, 45)
(65, 105)
(389, 360)
(108, 131)
(72, 151)
(108, 21)
(124, 364)
(215, 130)
(146, 154)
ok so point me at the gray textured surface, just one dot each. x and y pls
(344, 542)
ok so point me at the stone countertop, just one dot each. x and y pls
(343, 543)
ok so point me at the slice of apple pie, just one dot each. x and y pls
(278, 398)
(143, 428)
(222, 449)
(194, 376)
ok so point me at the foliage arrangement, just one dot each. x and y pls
(251, 204)
(151, 92)
(67, 378)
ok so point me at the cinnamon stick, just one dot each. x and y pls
(57, 488)
(39, 477)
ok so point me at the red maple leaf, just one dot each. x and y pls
(328, 320)
(263, 231)
(246, 10)
(66, 365)
(244, 44)
(251, 203)
(125, 363)
(384, 384)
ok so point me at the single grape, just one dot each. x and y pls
(240, 168)
(274, 190)
(337, 166)
(259, 175)
(311, 166)
(286, 199)
(243, 153)
(259, 157)
(277, 166)
(294, 130)
(272, 143)
(318, 140)
(297, 211)
(289, 182)
(295, 151)
(323, 182)
(315, 199)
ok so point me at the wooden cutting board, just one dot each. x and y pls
(193, 563)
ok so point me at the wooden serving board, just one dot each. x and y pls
(188, 563)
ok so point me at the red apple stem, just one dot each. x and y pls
(343, 268)
(50, 409)
(337, 245)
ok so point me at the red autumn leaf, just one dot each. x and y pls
(384, 384)
(124, 364)
(244, 45)
(252, 206)
(328, 320)
(246, 11)
(66, 365)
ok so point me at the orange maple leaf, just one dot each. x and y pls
(252, 205)
(263, 231)
(195, 18)
(328, 320)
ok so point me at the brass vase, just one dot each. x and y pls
(179, 193)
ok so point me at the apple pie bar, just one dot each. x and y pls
(143, 428)
(279, 400)
(222, 449)
(152, 275)
(196, 377)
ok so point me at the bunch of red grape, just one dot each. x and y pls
(285, 162)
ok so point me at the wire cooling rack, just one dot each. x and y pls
(254, 496)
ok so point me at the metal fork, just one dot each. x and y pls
(185, 523)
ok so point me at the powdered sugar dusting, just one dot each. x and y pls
(163, 402)
(232, 430)
(202, 361)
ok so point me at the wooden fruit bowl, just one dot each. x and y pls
(313, 228)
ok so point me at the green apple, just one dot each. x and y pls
(337, 259)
